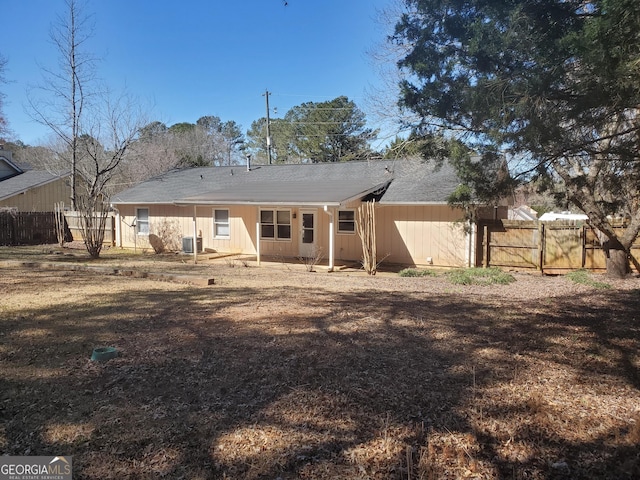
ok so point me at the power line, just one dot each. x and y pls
(310, 96)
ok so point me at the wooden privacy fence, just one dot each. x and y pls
(34, 228)
(75, 227)
(545, 246)
(27, 228)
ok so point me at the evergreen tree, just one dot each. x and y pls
(555, 81)
(332, 131)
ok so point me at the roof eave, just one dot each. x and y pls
(376, 188)
(410, 203)
(181, 203)
(140, 202)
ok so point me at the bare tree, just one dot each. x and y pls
(113, 130)
(209, 142)
(4, 129)
(60, 102)
(94, 129)
(146, 159)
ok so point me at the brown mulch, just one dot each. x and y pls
(275, 372)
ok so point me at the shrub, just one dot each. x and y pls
(480, 276)
(583, 277)
(413, 272)
(311, 261)
(166, 236)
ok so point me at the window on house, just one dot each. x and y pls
(283, 221)
(221, 224)
(346, 221)
(142, 221)
(275, 224)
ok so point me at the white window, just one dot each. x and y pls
(221, 223)
(142, 221)
(346, 221)
(275, 224)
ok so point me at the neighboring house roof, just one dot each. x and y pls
(552, 217)
(25, 181)
(297, 184)
(523, 212)
(8, 168)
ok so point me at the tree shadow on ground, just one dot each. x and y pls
(251, 383)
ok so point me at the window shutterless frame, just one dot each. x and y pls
(221, 227)
(142, 221)
(347, 221)
(275, 224)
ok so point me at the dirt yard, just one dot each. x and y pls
(277, 373)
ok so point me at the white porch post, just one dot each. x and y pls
(258, 238)
(118, 229)
(195, 234)
(331, 237)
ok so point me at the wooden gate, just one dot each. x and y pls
(552, 247)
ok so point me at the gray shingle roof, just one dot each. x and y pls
(420, 183)
(317, 184)
(26, 181)
(299, 192)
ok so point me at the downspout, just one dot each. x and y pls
(331, 237)
(195, 235)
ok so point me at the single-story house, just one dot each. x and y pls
(304, 210)
(30, 190)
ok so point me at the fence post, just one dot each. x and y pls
(541, 244)
(485, 256)
(583, 236)
(113, 230)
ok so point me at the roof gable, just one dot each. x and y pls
(8, 169)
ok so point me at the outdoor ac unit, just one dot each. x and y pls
(187, 244)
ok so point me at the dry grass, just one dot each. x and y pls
(273, 373)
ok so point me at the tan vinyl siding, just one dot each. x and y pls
(242, 226)
(411, 234)
(180, 219)
(348, 245)
(40, 199)
(406, 234)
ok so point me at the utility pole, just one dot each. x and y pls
(266, 95)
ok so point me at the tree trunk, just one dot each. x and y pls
(617, 263)
(366, 229)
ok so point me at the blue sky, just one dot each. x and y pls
(203, 57)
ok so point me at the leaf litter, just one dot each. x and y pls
(274, 373)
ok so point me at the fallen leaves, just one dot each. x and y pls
(333, 376)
